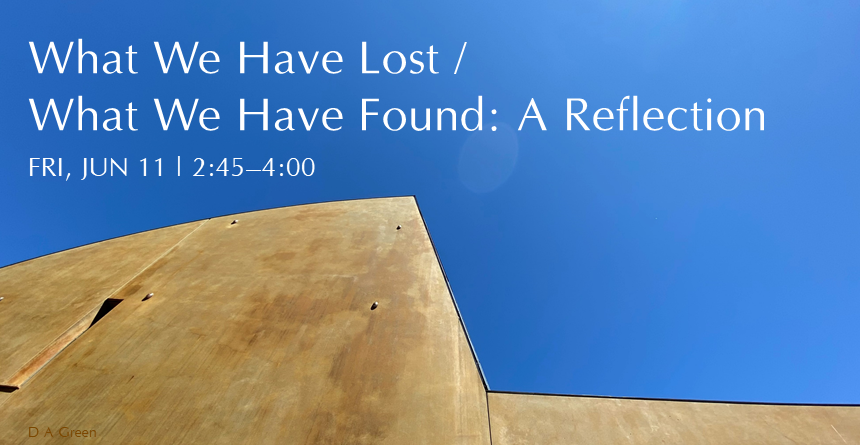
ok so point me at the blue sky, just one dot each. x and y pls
(704, 265)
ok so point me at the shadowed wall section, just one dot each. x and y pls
(260, 329)
(43, 298)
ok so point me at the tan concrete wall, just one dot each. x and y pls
(518, 419)
(261, 332)
(42, 298)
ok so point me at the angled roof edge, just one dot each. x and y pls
(453, 299)
(655, 399)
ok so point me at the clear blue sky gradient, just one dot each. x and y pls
(703, 265)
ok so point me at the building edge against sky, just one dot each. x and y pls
(318, 323)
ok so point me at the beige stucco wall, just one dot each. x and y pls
(520, 419)
(262, 332)
(44, 297)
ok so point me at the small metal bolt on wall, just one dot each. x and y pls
(148, 296)
(234, 222)
(374, 305)
(398, 227)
